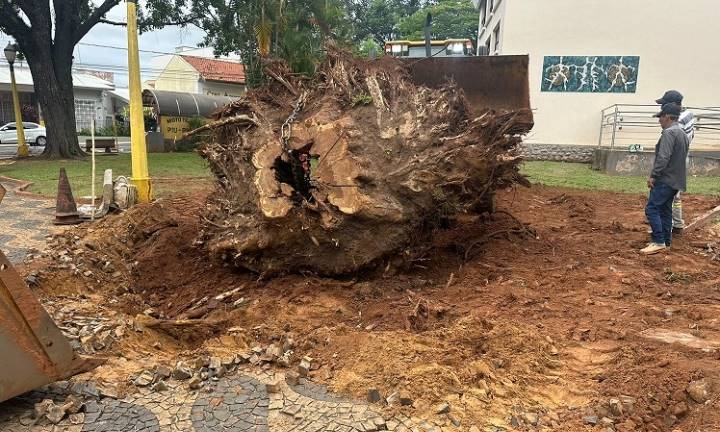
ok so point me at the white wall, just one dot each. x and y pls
(677, 43)
(221, 89)
(179, 76)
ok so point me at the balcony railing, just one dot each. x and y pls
(625, 125)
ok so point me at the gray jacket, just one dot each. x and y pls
(670, 154)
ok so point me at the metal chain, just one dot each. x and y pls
(286, 128)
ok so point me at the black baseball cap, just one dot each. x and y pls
(670, 96)
(671, 108)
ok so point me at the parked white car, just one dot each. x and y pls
(35, 134)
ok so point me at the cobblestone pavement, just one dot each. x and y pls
(238, 402)
(24, 224)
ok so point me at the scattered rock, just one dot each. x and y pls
(591, 420)
(159, 386)
(41, 408)
(305, 366)
(201, 362)
(182, 371)
(698, 391)
(273, 352)
(405, 400)
(292, 378)
(443, 408)
(374, 395)
(288, 344)
(162, 371)
(73, 404)
(453, 420)
(55, 414)
(393, 398)
(531, 418)
(680, 409)
(144, 379)
(195, 383)
(616, 407)
(284, 360)
(628, 403)
(215, 363)
(273, 386)
(607, 422)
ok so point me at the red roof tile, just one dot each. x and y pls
(217, 70)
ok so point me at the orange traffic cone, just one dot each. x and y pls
(65, 210)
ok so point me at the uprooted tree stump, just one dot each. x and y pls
(373, 163)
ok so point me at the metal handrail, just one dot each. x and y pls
(625, 124)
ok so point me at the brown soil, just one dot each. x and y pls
(549, 324)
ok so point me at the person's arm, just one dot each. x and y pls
(662, 158)
(687, 122)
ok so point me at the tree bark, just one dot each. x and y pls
(54, 90)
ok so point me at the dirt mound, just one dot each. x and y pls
(550, 330)
(363, 168)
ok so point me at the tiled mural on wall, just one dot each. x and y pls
(590, 74)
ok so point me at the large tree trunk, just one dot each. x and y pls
(373, 165)
(52, 76)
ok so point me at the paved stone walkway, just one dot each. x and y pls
(24, 224)
(235, 403)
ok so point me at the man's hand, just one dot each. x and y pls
(651, 183)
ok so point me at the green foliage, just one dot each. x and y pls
(368, 45)
(451, 19)
(294, 30)
(362, 99)
(191, 143)
(378, 19)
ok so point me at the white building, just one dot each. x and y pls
(586, 56)
(93, 97)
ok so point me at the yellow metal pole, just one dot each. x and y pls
(138, 147)
(23, 150)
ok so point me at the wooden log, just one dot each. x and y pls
(370, 168)
(702, 220)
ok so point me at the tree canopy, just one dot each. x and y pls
(450, 19)
(46, 32)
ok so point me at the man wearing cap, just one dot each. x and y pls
(667, 178)
(687, 122)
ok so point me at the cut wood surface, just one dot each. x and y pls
(371, 166)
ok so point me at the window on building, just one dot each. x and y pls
(487, 47)
(483, 13)
(492, 5)
(84, 113)
(496, 38)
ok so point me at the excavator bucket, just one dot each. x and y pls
(33, 350)
(496, 82)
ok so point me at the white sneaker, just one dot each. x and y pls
(653, 248)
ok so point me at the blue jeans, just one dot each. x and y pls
(659, 212)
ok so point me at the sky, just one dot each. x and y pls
(163, 40)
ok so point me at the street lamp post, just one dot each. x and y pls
(10, 55)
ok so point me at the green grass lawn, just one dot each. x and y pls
(167, 166)
(581, 176)
(44, 173)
